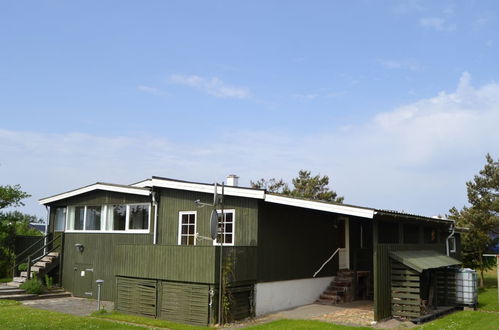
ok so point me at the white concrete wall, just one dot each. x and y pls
(275, 296)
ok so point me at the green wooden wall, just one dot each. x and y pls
(166, 262)
(98, 253)
(172, 201)
(293, 243)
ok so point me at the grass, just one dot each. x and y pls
(465, 320)
(300, 324)
(6, 280)
(487, 297)
(16, 316)
(116, 316)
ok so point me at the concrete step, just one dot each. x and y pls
(42, 264)
(20, 279)
(36, 269)
(7, 290)
(47, 258)
(53, 254)
(48, 295)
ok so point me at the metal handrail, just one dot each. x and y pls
(27, 249)
(328, 260)
(29, 260)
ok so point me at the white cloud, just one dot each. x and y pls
(211, 86)
(436, 23)
(150, 90)
(415, 157)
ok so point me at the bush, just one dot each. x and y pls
(22, 267)
(33, 285)
(48, 282)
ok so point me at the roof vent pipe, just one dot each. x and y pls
(232, 180)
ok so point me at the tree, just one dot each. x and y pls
(10, 196)
(481, 217)
(304, 186)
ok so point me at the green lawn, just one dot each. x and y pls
(146, 321)
(487, 297)
(465, 320)
(16, 316)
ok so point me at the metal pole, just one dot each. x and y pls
(99, 284)
(220, 279)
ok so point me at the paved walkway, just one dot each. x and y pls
(69, 305)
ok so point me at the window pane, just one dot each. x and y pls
(79, 213)
(228, 217)
(185, 218)
(191, 229)
(60, 218)
(139, 217)
(228, 239)
(93, 218)
(116, 217)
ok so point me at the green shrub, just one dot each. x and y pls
(33, 285)
(22, 267)
(48, 282)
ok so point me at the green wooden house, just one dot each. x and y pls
(147, 241)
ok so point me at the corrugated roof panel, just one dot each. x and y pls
(420, 260)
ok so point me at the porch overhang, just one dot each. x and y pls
(420, 260)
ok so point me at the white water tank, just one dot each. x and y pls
(466, 287)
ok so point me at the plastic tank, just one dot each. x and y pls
(466, 287)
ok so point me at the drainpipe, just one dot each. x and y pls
(453, 228)
(155, 204)
(46, 229)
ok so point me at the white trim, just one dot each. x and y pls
(233, 211)
(199, 187)
(180, 214)
(321, 206)
(96, 186)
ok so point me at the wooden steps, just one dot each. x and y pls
(341, 289)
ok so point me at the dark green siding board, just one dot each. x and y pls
(185, 302)
(243, 263)
(294, 242)
(98, 252)
(172, 201)
(174, 263)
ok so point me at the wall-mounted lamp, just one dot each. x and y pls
(79, 247)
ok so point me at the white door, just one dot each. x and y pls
(344, 243)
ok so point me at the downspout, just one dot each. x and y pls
(155, 204)
(453, 227)
(46, 229)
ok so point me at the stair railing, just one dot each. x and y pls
(325, 263)
(31, 259)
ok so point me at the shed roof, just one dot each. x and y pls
(420, 260)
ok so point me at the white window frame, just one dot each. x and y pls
(65, 218)
(452, 244)
(233, 211)
(180, 214)
(104, 220)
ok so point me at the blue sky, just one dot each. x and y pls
(397, 101)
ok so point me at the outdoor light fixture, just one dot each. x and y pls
(79, 247)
